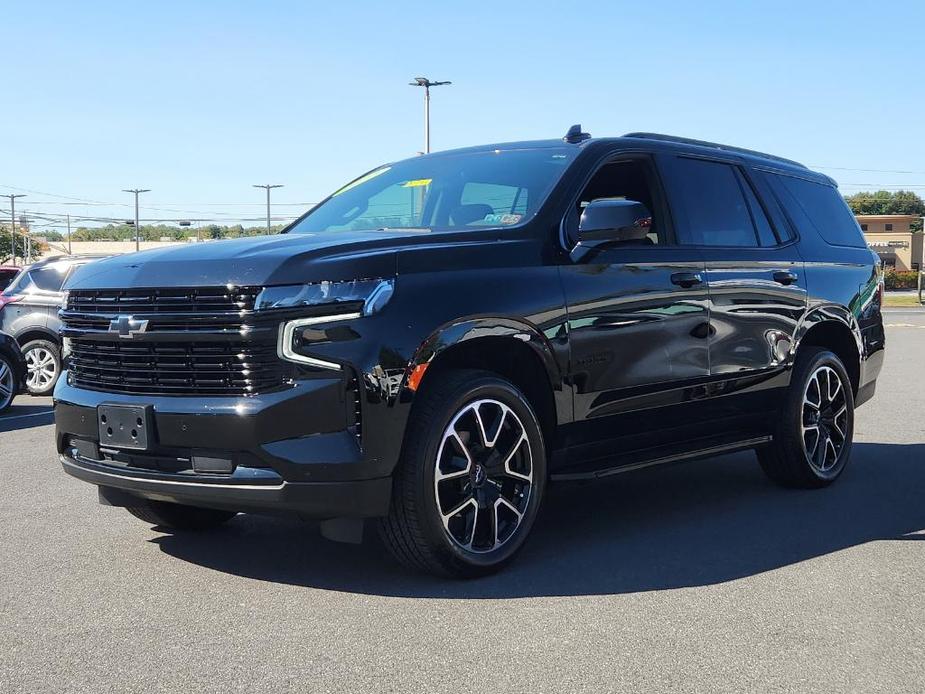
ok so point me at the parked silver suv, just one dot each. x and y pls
(29, 312)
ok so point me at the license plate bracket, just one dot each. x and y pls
(125, 426)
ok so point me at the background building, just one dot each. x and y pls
(892, 238)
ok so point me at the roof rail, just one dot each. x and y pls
(713, 145)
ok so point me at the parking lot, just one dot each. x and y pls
(699, 577)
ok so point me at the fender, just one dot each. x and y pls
(45, 333)
(823, 313)
(466, 330)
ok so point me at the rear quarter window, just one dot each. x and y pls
(818, 206)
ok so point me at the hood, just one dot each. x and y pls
(252, 261)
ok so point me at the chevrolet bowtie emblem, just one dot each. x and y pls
(127, 326)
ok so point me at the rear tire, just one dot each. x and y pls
(470, 480)
(178, 516)
(814, 432)
(43, 364)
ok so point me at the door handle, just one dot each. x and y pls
(686, 279)
(785, 277)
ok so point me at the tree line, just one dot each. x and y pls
(888, 202)
(156, 232)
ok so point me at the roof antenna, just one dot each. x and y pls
(574, 135)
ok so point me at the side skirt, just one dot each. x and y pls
(675, 458)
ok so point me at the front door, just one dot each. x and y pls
(638, 326)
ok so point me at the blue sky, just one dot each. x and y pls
(199, 100)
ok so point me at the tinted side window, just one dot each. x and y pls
(712, 197)
(766, 234)
(820, 207)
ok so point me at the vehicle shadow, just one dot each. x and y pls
(687, 525)
(24, 413)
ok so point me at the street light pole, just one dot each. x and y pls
(12, 198)
(268, 187)
(427, 84)
(69, 234)
(136, 191)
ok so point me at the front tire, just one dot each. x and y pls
(813, 437)
(178, 516)
(43, 365)
(8, 383)
(470, 480)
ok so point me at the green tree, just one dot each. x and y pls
(6, 245)
(888, 202)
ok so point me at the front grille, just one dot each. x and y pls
(183, 300)
(197, 341)
(178, 368)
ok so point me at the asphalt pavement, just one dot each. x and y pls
(701, 577)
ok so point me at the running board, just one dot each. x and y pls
(688, 455)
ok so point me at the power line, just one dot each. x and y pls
(846, 168)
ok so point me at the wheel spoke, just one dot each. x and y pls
(477, 412)
(441, 476)
(507, 461)
(829, 444)
(822, 449)
(806, 399)
(812, 453)
(834, 393)
(459, 508)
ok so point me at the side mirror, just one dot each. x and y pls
(614, 221)
(608, 221)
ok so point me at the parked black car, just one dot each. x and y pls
(29, 312)
(12, 371)
(438, 339)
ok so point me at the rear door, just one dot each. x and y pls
(754, 272)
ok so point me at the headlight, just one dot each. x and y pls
(345, 301)
(64, 298)
(368, 295)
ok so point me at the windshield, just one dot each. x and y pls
(452, 191)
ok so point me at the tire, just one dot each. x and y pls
(813, 436)
(8, 383)
(497, 487)
(178, 516)
(43, 363)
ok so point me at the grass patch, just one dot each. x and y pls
(901, 300)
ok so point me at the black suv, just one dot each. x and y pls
(29, 312)
(441, 337)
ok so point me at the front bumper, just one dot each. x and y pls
(294, 450)
(262, 494)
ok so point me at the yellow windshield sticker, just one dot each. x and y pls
(362, 179)
(417, 183)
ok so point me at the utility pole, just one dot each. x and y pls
(69, 234)
(922, 260)
(12, 198)
(268, 187)
(136, 191)
(24, 224)
(427, 84)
